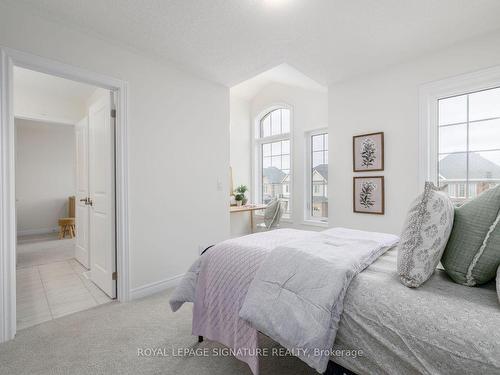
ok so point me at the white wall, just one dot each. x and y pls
(35, 104)
(96, 96)
(45, 174)
(178, 143)
(240, 158)
(310, 112)
(389, 101)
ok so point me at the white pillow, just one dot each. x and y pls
(424, 237)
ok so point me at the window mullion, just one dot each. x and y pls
(281, 121)
(311, 194)
(467, 194)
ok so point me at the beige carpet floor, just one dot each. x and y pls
(106, 340)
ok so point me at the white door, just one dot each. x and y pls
(82, 251)
(101, 186)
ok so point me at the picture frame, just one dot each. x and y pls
(368, 195)
(368, 152)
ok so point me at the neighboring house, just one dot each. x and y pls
(285, 183)
(272, 178)
(483, 174)
(320, 191)
(285, 195)
(275, 184)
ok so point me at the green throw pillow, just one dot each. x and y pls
(472, 254)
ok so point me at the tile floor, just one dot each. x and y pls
(51, 283)
(35, 250)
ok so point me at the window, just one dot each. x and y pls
(469, 143)
(317, 176)
(274, 157)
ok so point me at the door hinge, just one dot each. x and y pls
(114, 276)
(113, 113)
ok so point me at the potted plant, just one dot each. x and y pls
(239, 199)
(239, 195)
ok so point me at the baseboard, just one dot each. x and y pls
(148, 289)
(30, 232)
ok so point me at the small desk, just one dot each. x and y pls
(248, 208)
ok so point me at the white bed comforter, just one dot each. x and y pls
(287, 283)
(297, 294)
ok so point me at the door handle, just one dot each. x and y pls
(87, 201)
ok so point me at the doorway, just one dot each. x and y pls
(106, 175)
(65, 256)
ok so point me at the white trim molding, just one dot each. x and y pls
(8, 59)
(45, 119)
(158, 286)
(7, 203)
(430, 93)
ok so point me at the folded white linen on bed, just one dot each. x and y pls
(296, 297)
(217, 283)
(185, 291)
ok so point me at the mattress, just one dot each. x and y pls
(439, 328)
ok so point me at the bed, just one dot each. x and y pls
(440, 328)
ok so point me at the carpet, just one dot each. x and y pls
(108, 338)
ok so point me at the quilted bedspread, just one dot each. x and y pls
(297, 294)
(219, 281)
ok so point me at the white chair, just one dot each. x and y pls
(272, 215)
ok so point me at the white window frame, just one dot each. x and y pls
(308, 218)
(257, 156)
(428, 124)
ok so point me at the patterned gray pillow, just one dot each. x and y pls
(424, 237)
(472, 254)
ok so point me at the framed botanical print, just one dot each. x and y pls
(368, 195)
(368, 152)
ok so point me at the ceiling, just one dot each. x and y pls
(229, 41)
(46, 85)
(282, 73)
(46, 98)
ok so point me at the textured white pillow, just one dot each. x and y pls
(424, 237)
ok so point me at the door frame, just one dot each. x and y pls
(8, 59)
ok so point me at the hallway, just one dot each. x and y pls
(50, 282)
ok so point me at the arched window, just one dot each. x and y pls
(275, 122)
(274, 157)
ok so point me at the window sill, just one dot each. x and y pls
(315, 223)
